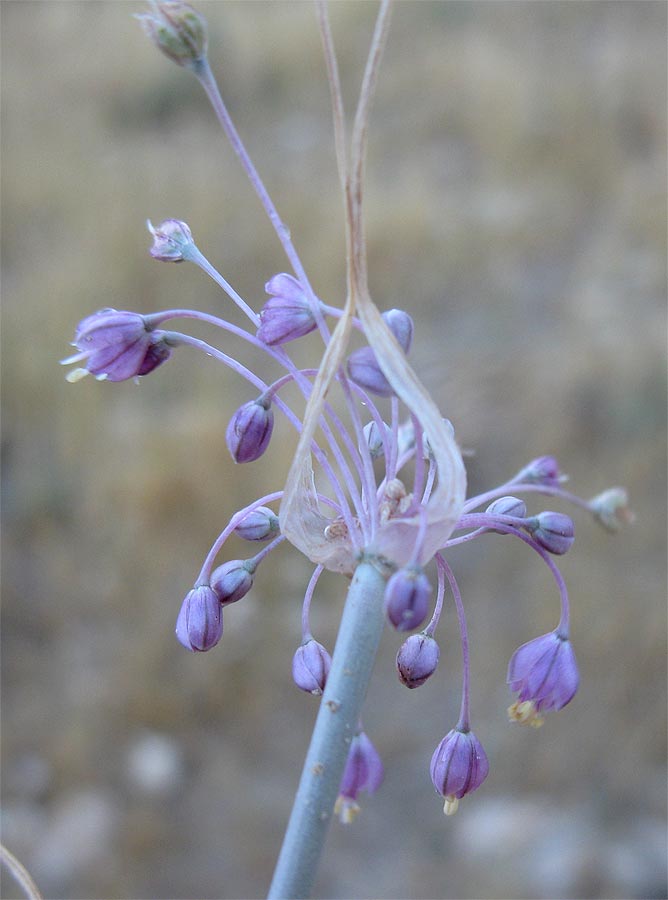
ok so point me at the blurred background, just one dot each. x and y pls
(517, 208)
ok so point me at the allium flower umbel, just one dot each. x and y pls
(376, 486)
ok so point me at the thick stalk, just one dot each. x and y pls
(352, 663)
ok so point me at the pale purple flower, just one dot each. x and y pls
(287, 315)
(545, 674)
(363, 772)
(115, 345)
(458, 767)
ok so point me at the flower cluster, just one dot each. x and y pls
(380, 477)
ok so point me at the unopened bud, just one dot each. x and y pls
(374, 439)
(232, 581)
(199, 625)
(176, 30)
(507, 506)
(363, 366)
(310, 667)
(544, 470)
(554, 531)
(258, 525)
(249, 430)
(417, 659)
(172, 240)
(407, 598)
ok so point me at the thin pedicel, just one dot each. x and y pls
(376, 490)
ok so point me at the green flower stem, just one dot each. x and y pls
(354, 655)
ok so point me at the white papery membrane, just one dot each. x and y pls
(302, 520)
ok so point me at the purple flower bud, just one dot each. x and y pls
(172, 240)
(417, 659)
(176, 30)
(544, 470)
(363, 772)
(233, 580)
(611, 509)
(553, 531)
(249, 430)
(458, 767)
(310, 667)
(287, 315)
(116, 345)
(199, 625)
(258, 525)
(545, 673)
(407, 598)
(362, 364)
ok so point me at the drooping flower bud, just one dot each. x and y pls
(258, 525)
(545, 673)
(199, 625)
(172, 240)
(287, 315)
(363, 772)
(407, 598)
(310, 667)
(115, 346)
(554, 531)
(363, 366)
(417, 659)
(611, 509)
(544, 470)
(177, 30)
(249, 430)
(233, 580)
(458, 767)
